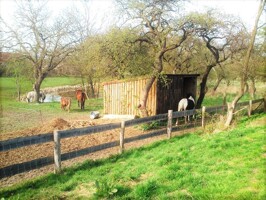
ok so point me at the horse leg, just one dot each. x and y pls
(176, 123)
(82, 105)
(185, 117)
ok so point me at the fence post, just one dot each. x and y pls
(57, 152)
(122, 133)
(203, 117)
(250, 108)
(169, 124)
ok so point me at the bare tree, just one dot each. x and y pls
(222, 38)
(46, 42)
(245, 72)
(159, 28)
(186, 58)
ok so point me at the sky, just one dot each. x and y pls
(102, 10)
(246, 10)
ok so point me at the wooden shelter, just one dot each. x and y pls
(123, 97)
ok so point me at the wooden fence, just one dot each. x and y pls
(58, 135)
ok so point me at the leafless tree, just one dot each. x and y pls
(43, 40)
(222, 38)
(156, 21)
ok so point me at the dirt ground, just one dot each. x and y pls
(67, 145)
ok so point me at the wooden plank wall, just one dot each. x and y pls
(169, 96)
(123, 97)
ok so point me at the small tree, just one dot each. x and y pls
(19, 68)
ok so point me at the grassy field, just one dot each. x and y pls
(225, 165)
(13, 110)
(8, 86)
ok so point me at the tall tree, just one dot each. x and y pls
(245, 72)
(159, 28)
(222, 38)
(44, 41)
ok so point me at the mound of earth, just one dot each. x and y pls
(48, 127)
(57, 123)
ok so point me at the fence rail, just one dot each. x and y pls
(25, 141)
(48, 137)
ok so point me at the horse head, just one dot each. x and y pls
(192, 99)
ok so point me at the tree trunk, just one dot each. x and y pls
(244, 75)
(231, 107)
(18, 85)
(252, 88)
(203, 86)
(225, 92)
(37, 86)
(144, 97)
(230, 113)
(219, 80)
(91, 86)
(145, 92)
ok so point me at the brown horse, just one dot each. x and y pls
(80, 95)
(65, 103)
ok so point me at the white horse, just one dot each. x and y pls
(31, 96)
(186, 104)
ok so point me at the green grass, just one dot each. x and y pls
(8, 85)
(226, 165)
(14, 109)
(218, 99)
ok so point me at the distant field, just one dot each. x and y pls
(9, 92)
(225, 165)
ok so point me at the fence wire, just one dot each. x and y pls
(14, 119)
